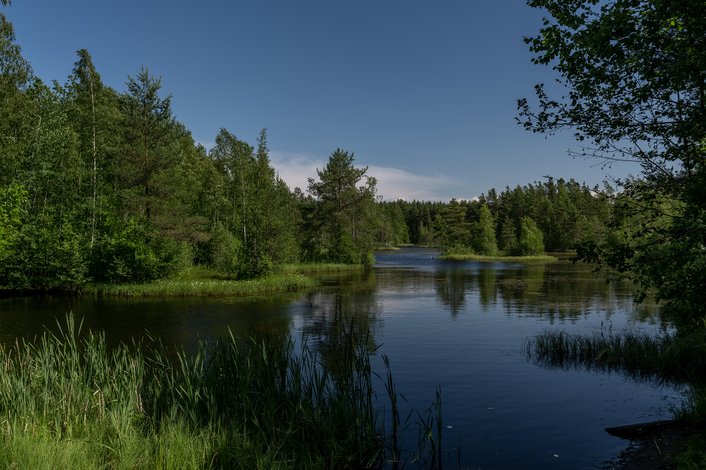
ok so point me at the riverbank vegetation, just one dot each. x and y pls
(205, 282)
(268, 284)
(311, 268)
(666, 358)
(623, 105)
(540, 259)
(68, 400)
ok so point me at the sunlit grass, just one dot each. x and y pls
(388, 248)
(214, 285)
(316, 268)
(543, 259)
(69, 401)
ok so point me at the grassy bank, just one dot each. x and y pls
(204, 287)
(388, 248)
(320, 268)
(67, 402)
(499, 259)
(673, 359)
(204, 282)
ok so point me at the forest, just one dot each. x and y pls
(106, 187)
(99, 185)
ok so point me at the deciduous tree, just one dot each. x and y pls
(634, 73)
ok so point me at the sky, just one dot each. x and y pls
(423, 93)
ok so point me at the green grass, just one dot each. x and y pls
(664, 358)
(213, 285)
(204, 282)
(388, 248)
(68, 401)
(316, 268)
(499, 259)
(693, 454)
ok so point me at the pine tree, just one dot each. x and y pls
(343, 219)
(150, 145)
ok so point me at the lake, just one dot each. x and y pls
(462, 326)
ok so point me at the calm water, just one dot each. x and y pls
(460, 326)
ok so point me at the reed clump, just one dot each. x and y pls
(69, 401)
(677, 359)
(671, 358)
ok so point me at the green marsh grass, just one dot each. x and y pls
(500, 259)
(663, 358)
(389, 248)
(69, 401)
(204, 287)
(315, 268)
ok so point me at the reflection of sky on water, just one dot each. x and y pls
(462, 326)
(465, 325)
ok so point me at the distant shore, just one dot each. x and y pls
(500, 259)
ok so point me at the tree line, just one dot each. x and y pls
(553, 215)
(102, 185)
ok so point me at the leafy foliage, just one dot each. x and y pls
(634, 73)
(530, 242)
(484, 241)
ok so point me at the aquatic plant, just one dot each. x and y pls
(68, 400)
(680, 359)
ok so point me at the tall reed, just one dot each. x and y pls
(69, 401)
(680, 359)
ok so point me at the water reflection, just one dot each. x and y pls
(458, 325)
(337, 321)
(181, 322)
(561, 291)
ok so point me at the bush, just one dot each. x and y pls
(175, 256)
(123, 254)
(46, 255)
(224, 250)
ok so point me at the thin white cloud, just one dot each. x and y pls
(294, 169)
(392, 183)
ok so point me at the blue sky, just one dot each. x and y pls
(424, 93)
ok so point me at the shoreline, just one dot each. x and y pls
(203, 282)
(656, 449)
(500, 259)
